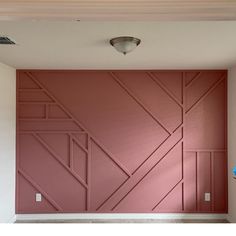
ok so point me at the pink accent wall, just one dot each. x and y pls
(121, 141)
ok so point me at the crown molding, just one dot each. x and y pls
(118, 10)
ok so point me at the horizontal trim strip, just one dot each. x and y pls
(74, 216)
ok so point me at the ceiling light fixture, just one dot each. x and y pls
(125, 44)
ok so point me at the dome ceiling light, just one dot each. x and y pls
(125, 44)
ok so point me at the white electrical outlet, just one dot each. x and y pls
(207, 197)
(38, 197)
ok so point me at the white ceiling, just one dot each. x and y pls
(85, 45)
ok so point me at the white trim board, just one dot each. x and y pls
(106, 216)
(12, 220)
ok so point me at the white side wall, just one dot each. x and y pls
(7, 142)
(232, 142)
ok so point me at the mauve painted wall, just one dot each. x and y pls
(121, 141)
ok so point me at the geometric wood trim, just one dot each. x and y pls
(137, 177)
(90, 159)
(36, 186)
(179, 182)
(206, 93)
(72, 136)
(77, 122)
(56, 156)
(165, 88)
(196, 77)
(115, 77)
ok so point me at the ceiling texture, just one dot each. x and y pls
(54, 34)
(118, 9)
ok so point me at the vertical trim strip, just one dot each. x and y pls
(183, 130)
(71, 152)
(197, 182)
(88, 173)
(46, 111)
(212, 181)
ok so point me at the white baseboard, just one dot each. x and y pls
(231, 219)
(12, 220)
(105, 216)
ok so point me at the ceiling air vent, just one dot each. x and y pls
(6, 40)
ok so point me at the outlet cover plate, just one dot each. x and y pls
(38, 197)
(207, 197)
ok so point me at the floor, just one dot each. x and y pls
(125, 221)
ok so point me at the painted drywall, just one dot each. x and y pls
(7, 142)
(121, 141)
(85, 44)
(231, 142)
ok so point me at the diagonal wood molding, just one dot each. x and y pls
(118, 10)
